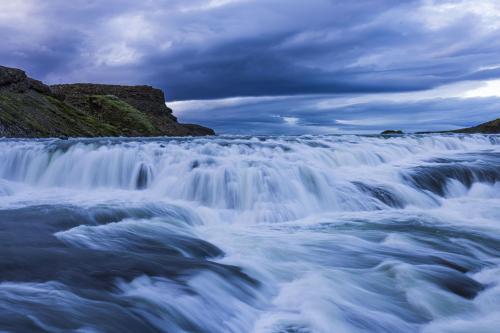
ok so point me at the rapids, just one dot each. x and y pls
(290, 234)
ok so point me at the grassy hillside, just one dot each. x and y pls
(35, 114)
(122, 118)
(29, 108)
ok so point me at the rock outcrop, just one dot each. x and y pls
(391, 132)
(29, 108)
(16, 80)
(144, 98)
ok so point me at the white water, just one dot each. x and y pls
(320, 233)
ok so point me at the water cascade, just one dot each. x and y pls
(251, 234)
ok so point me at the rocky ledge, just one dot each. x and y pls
(29, 108)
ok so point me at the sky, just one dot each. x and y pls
(274, 66)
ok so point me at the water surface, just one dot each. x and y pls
(251, 234)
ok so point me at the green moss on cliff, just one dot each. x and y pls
(18, 113)
(29, 108)
(35, 114)
(126, 119)
(45, 116)
(72, 118)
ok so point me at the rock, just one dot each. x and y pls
(40, 87)
(146, 99)
(198, 129)
(11, 76)
(29, 108)
(391, 132)
(143, 98)
(16, 80)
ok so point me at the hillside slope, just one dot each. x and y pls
(490, 127)
(29, 108)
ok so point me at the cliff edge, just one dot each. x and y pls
(29, 108)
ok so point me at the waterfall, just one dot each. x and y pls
(251, 234)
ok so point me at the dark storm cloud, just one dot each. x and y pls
(213, 49)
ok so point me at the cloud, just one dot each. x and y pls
(222, 48)
(444, 108)
(487, 89)
(274, 66)
(296, 116)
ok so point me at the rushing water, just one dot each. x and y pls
(251, 234)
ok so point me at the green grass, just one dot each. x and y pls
(35, 114)
(121, 115)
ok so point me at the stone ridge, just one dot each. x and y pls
(143, 98)
(16, 80)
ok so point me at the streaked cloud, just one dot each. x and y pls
(444, 108)
(326, 57)
(487, 89)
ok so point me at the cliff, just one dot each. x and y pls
(143, 98)
(29, 108)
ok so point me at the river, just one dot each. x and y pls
(283, 234)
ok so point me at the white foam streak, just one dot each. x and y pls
(292, 177)
(322, 233)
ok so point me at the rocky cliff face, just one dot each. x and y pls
(144, 98)
(29, 108)
(16, 80)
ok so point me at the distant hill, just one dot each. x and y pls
(490, 127)
(29, 108)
